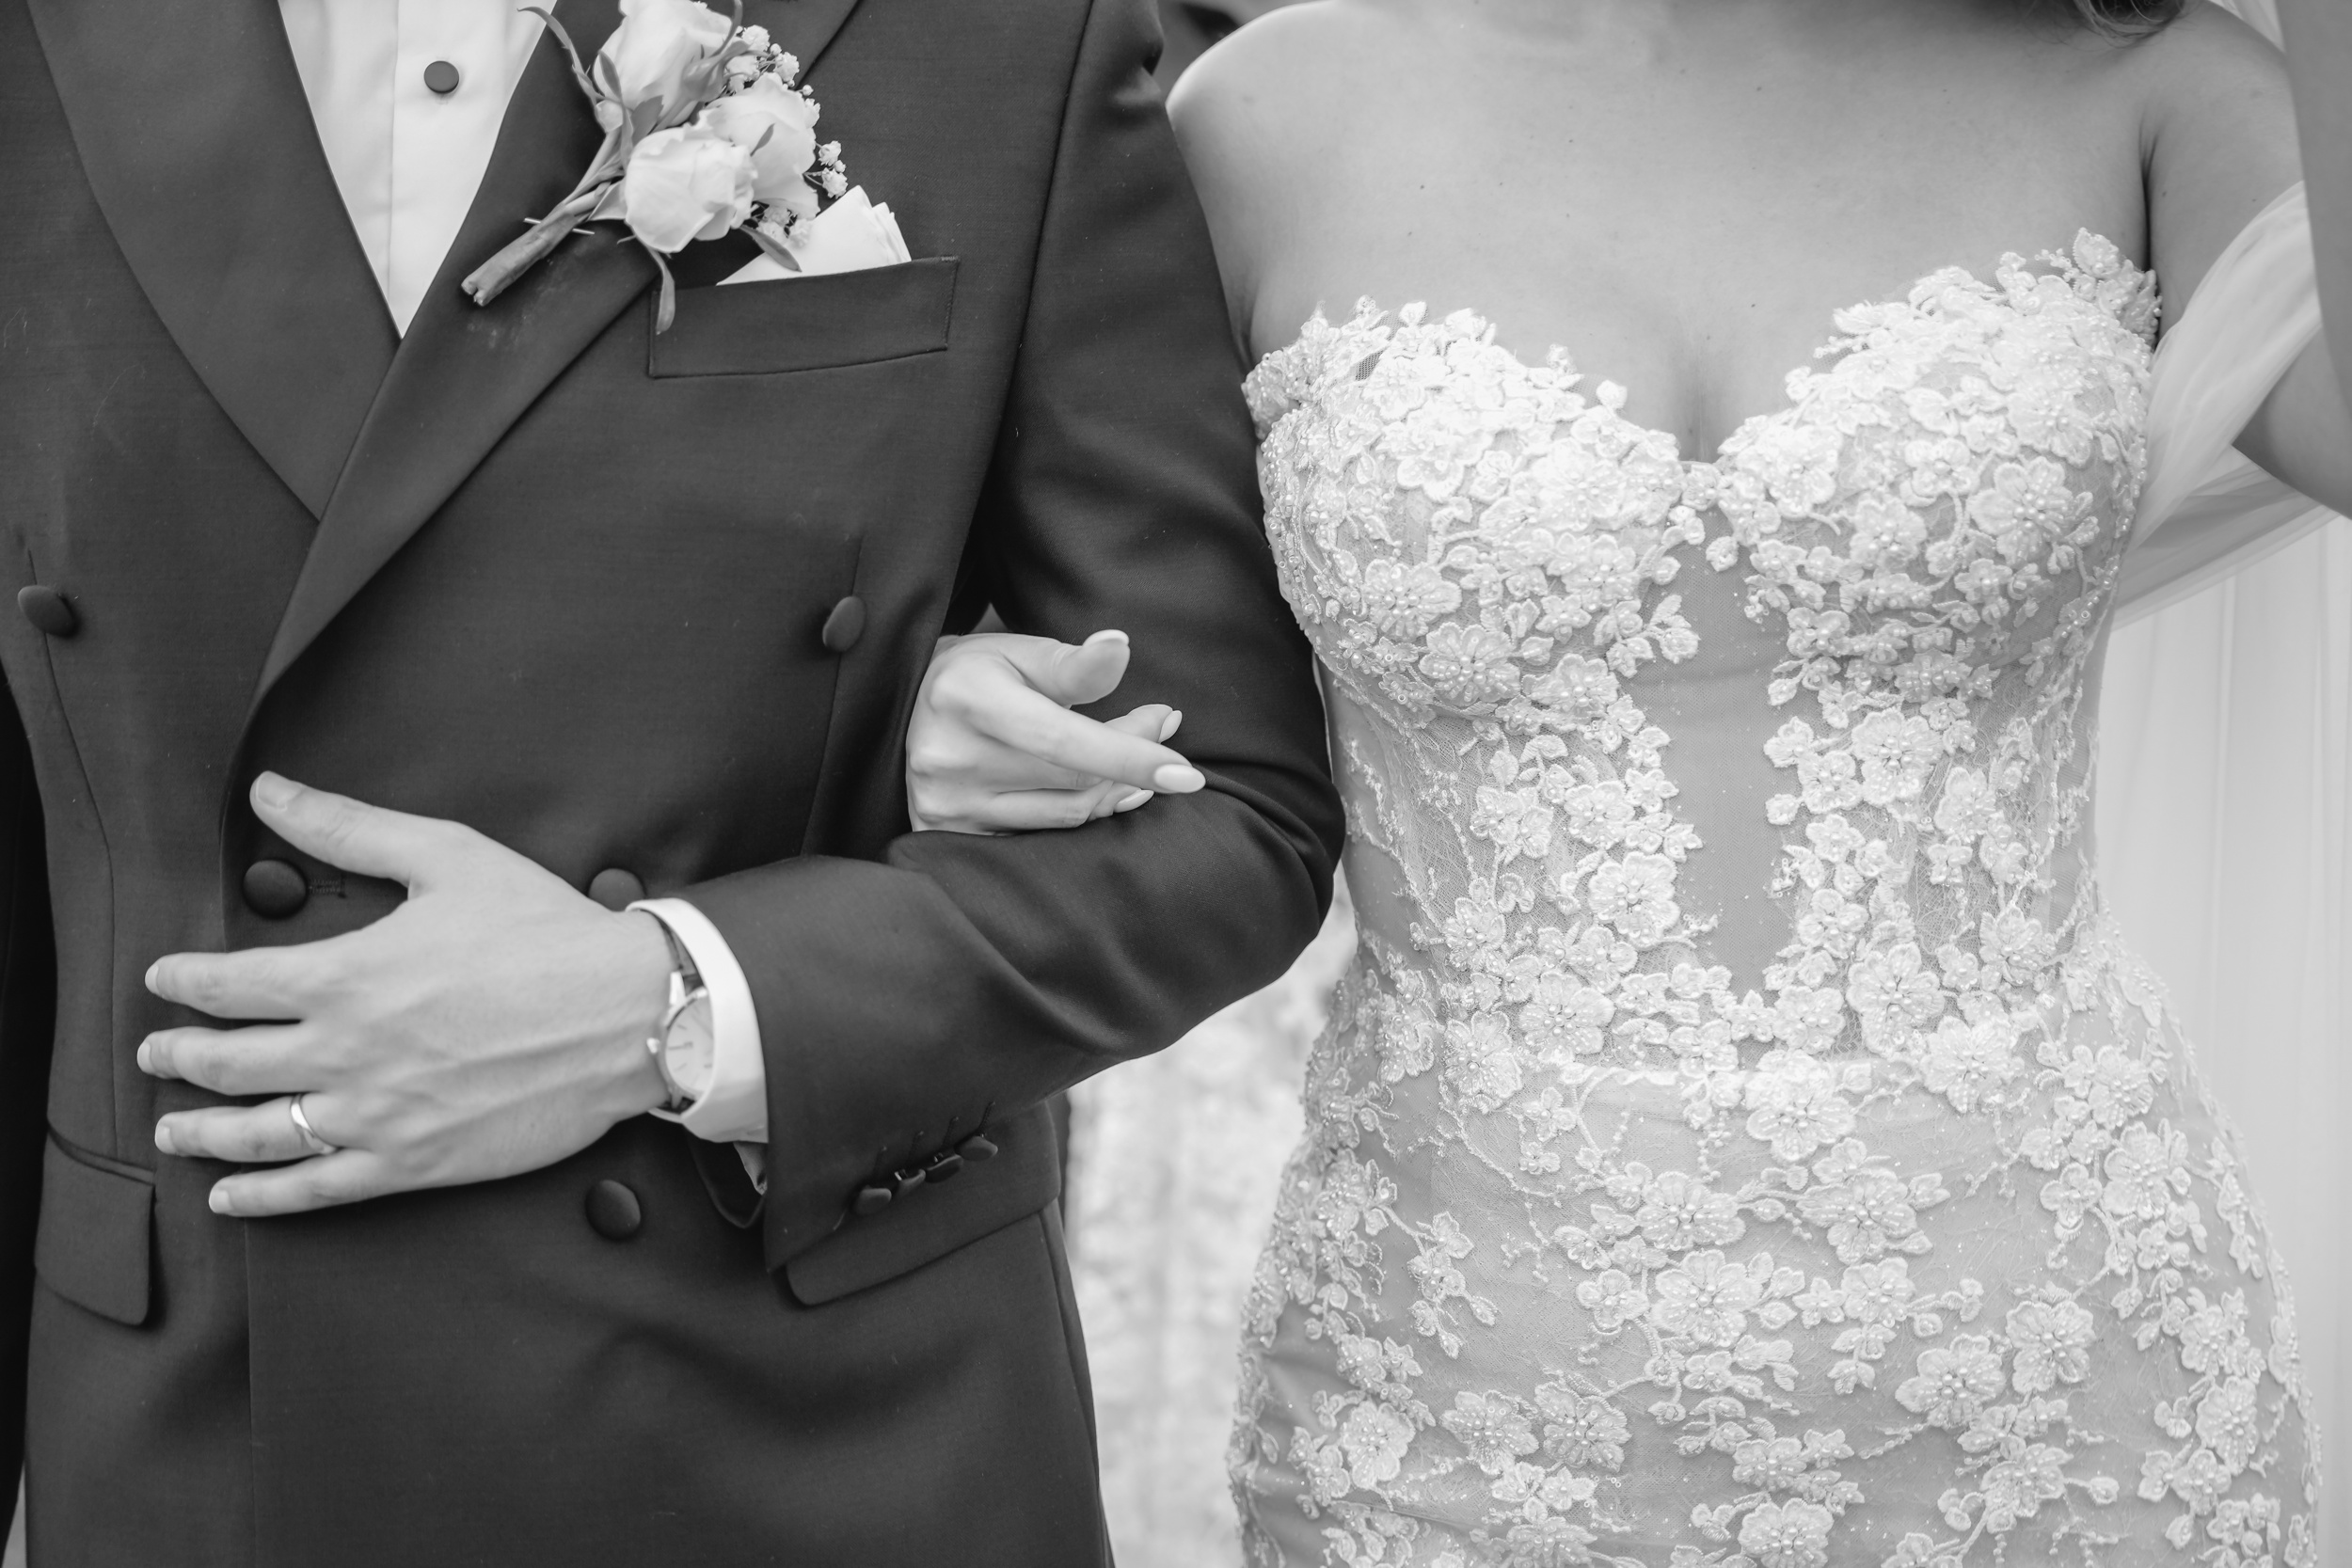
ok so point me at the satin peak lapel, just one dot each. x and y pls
(465, 373)
(199, 147)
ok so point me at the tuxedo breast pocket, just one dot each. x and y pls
(809, 324)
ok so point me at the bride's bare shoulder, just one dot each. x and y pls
(2209, 64)
(1260, 118)
(1256, 105)
(2219, 132)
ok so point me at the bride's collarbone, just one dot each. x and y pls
(1696, 291)
(1699, 321)
(1687, 238)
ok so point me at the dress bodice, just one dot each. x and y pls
(1744, 1141)
(1496, 570)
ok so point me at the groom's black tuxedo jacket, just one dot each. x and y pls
(648, 606)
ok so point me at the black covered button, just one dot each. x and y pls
(871, 1200)
(440, 78)
(942, 1166)
(613, 1212)
(615, 889)
(274, 889)
(977, 1147)
(845, 626)
(905, 1181)
(53, 612)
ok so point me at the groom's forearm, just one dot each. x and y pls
(905, 1005)
(964, 978)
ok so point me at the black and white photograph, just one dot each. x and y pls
(1083, 783)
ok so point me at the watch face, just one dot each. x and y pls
(691, 1048)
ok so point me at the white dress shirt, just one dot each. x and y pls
(409, 161)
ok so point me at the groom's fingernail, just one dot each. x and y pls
(273, 791)
(162, 1136)
(1167, 725)
(218, 1202)
(1178, 779)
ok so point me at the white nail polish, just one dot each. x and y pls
(1133, 799)
(1167, 725)
(1178, 779)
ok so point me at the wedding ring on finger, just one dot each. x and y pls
(310, 1138)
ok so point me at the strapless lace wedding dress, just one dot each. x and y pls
(1743, 1139)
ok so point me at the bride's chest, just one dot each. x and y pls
(1687, 235)
(1475, 534)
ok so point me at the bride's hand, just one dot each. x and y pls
(993, 747)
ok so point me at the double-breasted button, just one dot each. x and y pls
(615, 889)
(440, 78)
(905, 1181)
(845, 626)
(613, 1212)
(977, 1147)
(942, 1166)
(274, 889)
(53, 612)
(871, 1200)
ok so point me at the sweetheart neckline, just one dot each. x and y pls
(2140, 278)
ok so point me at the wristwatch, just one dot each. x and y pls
(685, 1046)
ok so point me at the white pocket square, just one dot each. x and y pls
(848, 236)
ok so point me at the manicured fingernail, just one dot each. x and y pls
(273, 791)
(151, 971)
(1131, 799)
(1107, 636)
(162, 1137)
(1167, 725)
(1178, 779)
(217, 1201)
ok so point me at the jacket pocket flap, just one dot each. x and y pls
(93, 1246)
(808, 324)
(934, 1220)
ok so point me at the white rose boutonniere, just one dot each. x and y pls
(685, 184)
(654, 52)
(705, 132)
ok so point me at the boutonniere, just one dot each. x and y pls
(705, 132)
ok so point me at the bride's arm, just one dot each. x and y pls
(2222, 124)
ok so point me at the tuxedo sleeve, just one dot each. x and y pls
(27, 1018)
(904, 1003)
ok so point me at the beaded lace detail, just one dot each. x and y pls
(1877, 1218)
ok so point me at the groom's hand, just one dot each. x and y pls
(492, 1024)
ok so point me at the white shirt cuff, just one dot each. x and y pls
(735, 1108)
